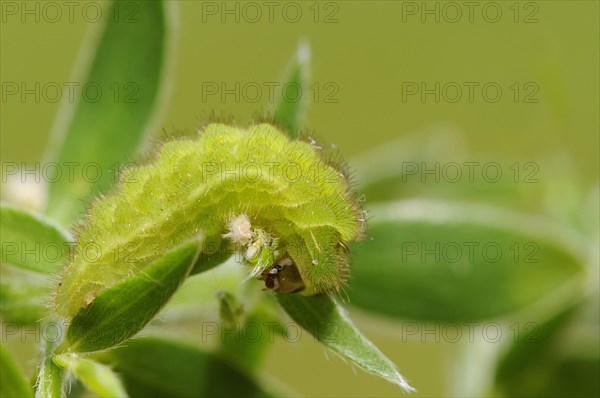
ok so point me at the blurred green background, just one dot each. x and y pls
(369, 55)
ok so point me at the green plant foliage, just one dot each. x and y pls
(95, 376)
(23, 296)
(125, 308)
(129, 55)
(171, 232)
(12, 382)
(290, 109)
(50, 377)
(33, 248)
(31, 241)
(179, 370)
(456, 262)
(325, 319)
(540, 364)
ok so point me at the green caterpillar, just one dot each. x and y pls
(281, 203)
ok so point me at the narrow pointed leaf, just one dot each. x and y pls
(50, 380)
(97, 377)
(442, 261)
(153, 366)
(51, 376)
(290, 108)
(125, 308)
(31, 241)
(329, 323)
(121, 74)
(13, 383)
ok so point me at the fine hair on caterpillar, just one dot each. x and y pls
(283, 204)
(252, 171)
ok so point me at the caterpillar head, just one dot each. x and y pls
(283, 277)
(313, 261)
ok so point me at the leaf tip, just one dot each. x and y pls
(303, 53)
(407, 388)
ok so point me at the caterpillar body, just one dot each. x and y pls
(288, 210)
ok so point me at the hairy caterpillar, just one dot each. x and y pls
(287, 209)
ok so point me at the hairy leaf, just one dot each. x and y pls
(325, 319)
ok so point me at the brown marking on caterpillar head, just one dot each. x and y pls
(283, 277)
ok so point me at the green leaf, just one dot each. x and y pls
(290, 108)
(329, 323)
(125, 308)
(435, 163)
(571, 377)
(33, 249)
(31, 241)
(445, 261)
(208, 261)
(51, 376)
(246, 341)
(97, 377)
(558, 357)
(23, 295)
(526, 368)
(13, 382)
(125, 61)
(156, 367)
